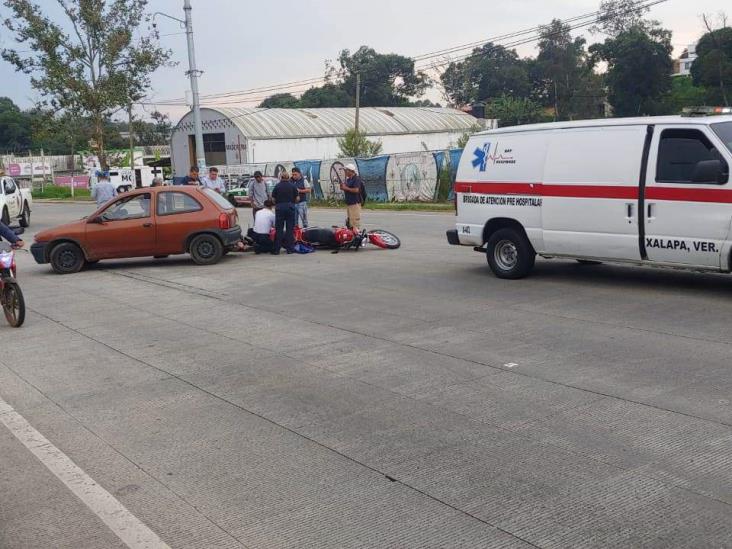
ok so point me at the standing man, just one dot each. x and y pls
(285, 195)
(257, 193)
(192, 177)
(103, 191)
(353, 191)
(304, 190)
(213, 181)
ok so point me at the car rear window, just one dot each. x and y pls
(219, 200)
(172, 202)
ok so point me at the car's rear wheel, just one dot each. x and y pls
(510, 254)
(67, 258)
(206, 249)
(25, 216)
(5, 217)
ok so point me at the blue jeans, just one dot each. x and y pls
(302, 214)
(285, 216)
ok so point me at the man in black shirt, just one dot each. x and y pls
(285, 195)
(353, 193)
(192, 177)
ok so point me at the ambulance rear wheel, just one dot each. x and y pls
(510, 254)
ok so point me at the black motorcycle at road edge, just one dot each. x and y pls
(11, 296)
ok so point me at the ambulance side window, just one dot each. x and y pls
(679, 151)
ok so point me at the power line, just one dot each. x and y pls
(532, 34)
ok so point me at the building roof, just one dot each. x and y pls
(296, 123)
(604, 122)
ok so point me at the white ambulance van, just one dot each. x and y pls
(645, 191)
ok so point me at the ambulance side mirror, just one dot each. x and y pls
(709, 171)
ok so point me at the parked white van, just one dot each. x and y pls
(649, 191)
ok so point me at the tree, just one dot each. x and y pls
(618, 16)
(639, 70)
(328, 96)
(510, 111)
(564, 78)
(683, 93)
(280, 101)
(713, 66)
(93, 63)
(387, 80)
(355, 144)
(489, 72)
(15, 127)
(154, 132)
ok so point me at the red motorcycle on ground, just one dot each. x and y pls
(11, 296)
(344, 238)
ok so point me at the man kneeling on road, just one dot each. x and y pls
(264, 221)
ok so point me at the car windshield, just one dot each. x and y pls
(218, 199)
(724, 131)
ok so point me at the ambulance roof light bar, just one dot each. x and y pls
(705, 111)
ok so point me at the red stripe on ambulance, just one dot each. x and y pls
(690, 194)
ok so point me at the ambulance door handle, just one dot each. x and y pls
(651, 212)
(629, 210)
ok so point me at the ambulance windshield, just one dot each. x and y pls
(724, 131)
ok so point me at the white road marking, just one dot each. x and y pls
(124, 524)
(510, 365)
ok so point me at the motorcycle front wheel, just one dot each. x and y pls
(13, 304)
(384, 239)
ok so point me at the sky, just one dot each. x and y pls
(241, 45)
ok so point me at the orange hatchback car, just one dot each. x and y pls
(157, 222)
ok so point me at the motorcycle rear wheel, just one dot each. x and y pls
(13, 304)
(384, 239)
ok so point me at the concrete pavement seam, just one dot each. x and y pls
(110, 445)
(284, 427)
(213, 295)
(232, 299)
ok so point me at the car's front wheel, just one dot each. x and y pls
(67, 258)
(510, 254)
(25, 216)
(206, 249)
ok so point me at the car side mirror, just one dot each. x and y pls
(709, 171)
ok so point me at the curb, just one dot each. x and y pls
(55, 201)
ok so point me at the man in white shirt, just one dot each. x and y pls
(213, 181)
(264, 222)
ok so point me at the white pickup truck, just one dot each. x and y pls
(15, 203)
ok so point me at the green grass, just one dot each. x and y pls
(390, 206)
(53, 192)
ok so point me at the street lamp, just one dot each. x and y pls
(193, 73)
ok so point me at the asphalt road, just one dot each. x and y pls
(373, 399)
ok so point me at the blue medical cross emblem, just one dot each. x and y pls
(481, 157)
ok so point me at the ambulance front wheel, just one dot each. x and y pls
(510, 254)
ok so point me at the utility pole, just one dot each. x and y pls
(194, 73)
(358, 100)
(132, 140)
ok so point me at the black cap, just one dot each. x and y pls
(296, 170)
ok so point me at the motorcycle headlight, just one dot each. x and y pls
(6, 260)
